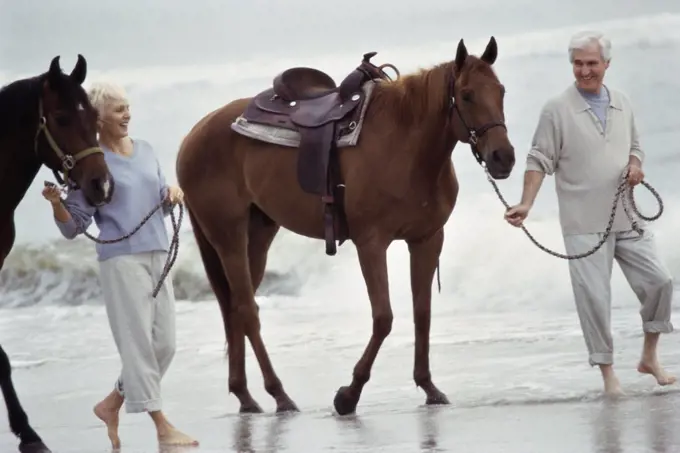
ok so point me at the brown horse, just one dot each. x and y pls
(48, 120)
(398, 183)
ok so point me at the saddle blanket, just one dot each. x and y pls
(286, 137)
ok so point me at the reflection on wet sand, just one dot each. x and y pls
(615, 426)
(429, 429)
(654, 415)
(244, 433)
(607, 428)
(659, 423)
(641, 423)
(355, 431)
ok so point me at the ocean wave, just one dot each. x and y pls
(65, 272)
(476, 250)
(541, 395)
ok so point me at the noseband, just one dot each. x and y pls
(68, 161)
(474, 134)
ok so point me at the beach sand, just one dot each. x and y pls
(646, 424)
(65, 362)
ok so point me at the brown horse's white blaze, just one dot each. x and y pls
(399, 185)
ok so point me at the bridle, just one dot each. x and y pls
(474, 134)
(68, 161)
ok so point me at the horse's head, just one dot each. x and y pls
(67, 137)
(478, 105)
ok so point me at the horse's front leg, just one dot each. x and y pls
(424, 259)
(373, 261)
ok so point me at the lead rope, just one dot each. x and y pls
(174, 243)
(626, 197)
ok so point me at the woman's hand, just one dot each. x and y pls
(175, 195)
(52, 193)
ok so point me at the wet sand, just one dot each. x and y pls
(508, 396)
(634, 425)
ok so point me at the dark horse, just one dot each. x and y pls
(395, 182)
(49, 120)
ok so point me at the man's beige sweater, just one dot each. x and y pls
(587, 161)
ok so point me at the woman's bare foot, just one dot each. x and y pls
(653, 367)
(107, 411)
(172, 436)
(168, 434)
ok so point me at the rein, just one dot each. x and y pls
(474, 134)
(626, 197)
(174, 243)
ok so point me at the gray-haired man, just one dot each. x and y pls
(587, 138)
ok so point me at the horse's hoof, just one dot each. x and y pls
(345, 402)
(250, 408)
(34, 447)
(436, 398)
(287, 406)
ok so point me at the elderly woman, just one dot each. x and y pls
(143, 327)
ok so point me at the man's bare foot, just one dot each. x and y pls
(109, 415)
(655, 369)
(172, 436)
(612, 386)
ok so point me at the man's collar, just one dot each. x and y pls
(579, 104)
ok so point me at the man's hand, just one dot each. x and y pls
(517, 214)
(635, 174)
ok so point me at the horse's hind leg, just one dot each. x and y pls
(373, 261)
(18, 420)
(236, 346)
(225, 239)
(424, 258)
(261, 233)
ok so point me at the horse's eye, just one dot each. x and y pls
(467, 95)
(62, 120)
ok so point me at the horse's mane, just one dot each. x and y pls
(19, 104)
(425, 92)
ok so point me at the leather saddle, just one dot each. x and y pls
(307, 100)
(303, 83)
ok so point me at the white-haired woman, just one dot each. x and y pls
(143, 327)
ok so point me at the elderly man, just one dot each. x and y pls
(586, 137)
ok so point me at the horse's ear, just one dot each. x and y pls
(461, 55)
(54, 72)
(80, 71)
(491, 52)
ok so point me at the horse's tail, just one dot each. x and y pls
(213, 268)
